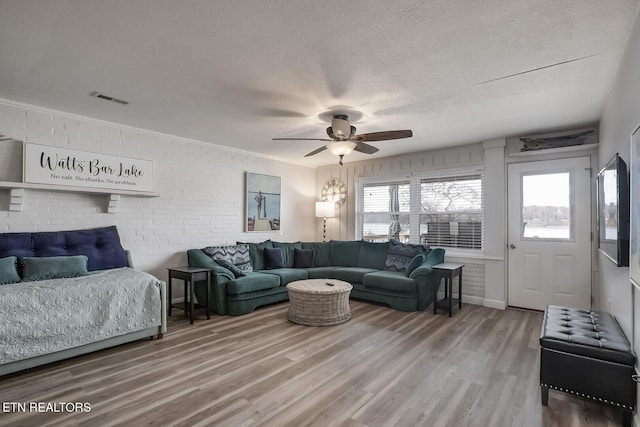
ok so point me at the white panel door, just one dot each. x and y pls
(549, 233)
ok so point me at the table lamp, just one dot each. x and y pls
(325, 210)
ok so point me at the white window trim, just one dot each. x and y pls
(414, 181)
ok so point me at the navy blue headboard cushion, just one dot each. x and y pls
(101, 246)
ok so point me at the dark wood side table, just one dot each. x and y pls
(447, 271)
(189, 275)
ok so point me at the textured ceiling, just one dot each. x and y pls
(237, 73)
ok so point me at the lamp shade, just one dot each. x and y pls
(325, 209)
(341, 148)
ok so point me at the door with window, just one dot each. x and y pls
(549, 233)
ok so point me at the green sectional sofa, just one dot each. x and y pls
(249, 275)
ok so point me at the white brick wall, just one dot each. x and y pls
(443, 160)
(201, 189)
(473, 280)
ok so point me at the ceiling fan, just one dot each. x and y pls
(343, 139)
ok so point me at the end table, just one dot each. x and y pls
(189, 275)
(447, 271)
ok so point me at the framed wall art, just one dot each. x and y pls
(634, 232)
(262, 202)
(48, 164)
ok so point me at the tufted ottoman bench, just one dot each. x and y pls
(586, 354)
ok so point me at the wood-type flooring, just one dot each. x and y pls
(382, 368)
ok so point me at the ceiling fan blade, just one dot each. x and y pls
(277, 112)
(301, 139)
(319, 150)
(382, 136)
(365, 148)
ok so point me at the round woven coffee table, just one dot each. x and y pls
(319, 302)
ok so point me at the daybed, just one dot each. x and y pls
(245, 275)
(72, 292)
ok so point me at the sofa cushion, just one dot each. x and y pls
(273, 258)
(351, 274)
(256, 253)
(344, 253)
(101, 246)
(321, 253)
(394, 281)
(252, 282)
(415, 262)
(9, 270)
(372, 255)
(400, 255)
(321, 272)
(238, 255)
(288, 275)
(232, 268)
(54, 267)
(287, 251)
(302, 258)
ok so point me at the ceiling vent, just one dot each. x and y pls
(109, 98)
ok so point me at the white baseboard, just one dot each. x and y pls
(470, 299)
(491, 303)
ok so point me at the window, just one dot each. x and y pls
(451, 212)
(440, 211)
(385, 211)
(546, 206)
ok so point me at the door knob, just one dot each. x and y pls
(512, 246)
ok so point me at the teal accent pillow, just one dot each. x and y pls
(8, 270)
(415, 262)
(55, 267)
(231, 267)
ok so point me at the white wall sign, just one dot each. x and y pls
(46, 164)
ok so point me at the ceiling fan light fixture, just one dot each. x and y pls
(341, 148)
(340, 128)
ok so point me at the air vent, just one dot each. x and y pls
(109, 98)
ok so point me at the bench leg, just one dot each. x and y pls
(544, 394)
(627, 418)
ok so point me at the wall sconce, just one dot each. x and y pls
(325, 210)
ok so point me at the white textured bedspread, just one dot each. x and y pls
(42, 317)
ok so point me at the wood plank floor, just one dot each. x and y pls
(382, 368)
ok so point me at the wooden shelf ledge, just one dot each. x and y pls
(17, 193)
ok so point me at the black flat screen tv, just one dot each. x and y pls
(613, 211)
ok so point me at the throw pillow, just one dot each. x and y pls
(400, 255)
(287, 251)
(415, 262)
(256, 253)
(226, 264)
(302, 258)
(273, 258)
(55, 267)
(8, 270)
(237, 255)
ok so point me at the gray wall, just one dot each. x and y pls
(620, 117)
